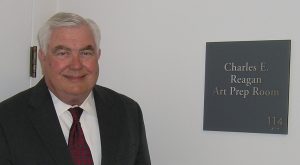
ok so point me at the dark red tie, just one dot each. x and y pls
(79, 149)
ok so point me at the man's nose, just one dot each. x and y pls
(76, 62)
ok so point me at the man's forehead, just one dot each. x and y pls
(81, 26)
(73, 37)
(72, 32)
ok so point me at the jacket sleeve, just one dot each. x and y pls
(4, 150)
(143, 156)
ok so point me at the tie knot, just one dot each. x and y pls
(76, 113)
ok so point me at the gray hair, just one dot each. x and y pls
(62, 19)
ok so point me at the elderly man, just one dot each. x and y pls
(66, 118)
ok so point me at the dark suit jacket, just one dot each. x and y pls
(30, 133)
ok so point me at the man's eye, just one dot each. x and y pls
(61, 53)
(86, 53)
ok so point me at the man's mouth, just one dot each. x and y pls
(75, 78)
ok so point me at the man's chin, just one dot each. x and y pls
(78, 92)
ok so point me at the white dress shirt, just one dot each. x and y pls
(88, 120)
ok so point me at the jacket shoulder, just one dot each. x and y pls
(111, 95)
(116, 102)
(12, 108)
(16, 101)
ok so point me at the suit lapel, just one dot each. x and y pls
(108, 125)
(45, 121)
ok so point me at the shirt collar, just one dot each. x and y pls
(88, 105)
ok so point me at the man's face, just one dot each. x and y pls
(70, 65)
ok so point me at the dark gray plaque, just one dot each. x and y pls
(247, 86)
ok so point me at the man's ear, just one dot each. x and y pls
(42, 55)
(99, 53)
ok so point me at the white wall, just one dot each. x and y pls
(42, 10)
(154, 51)
(19, 22)
(14, 46)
